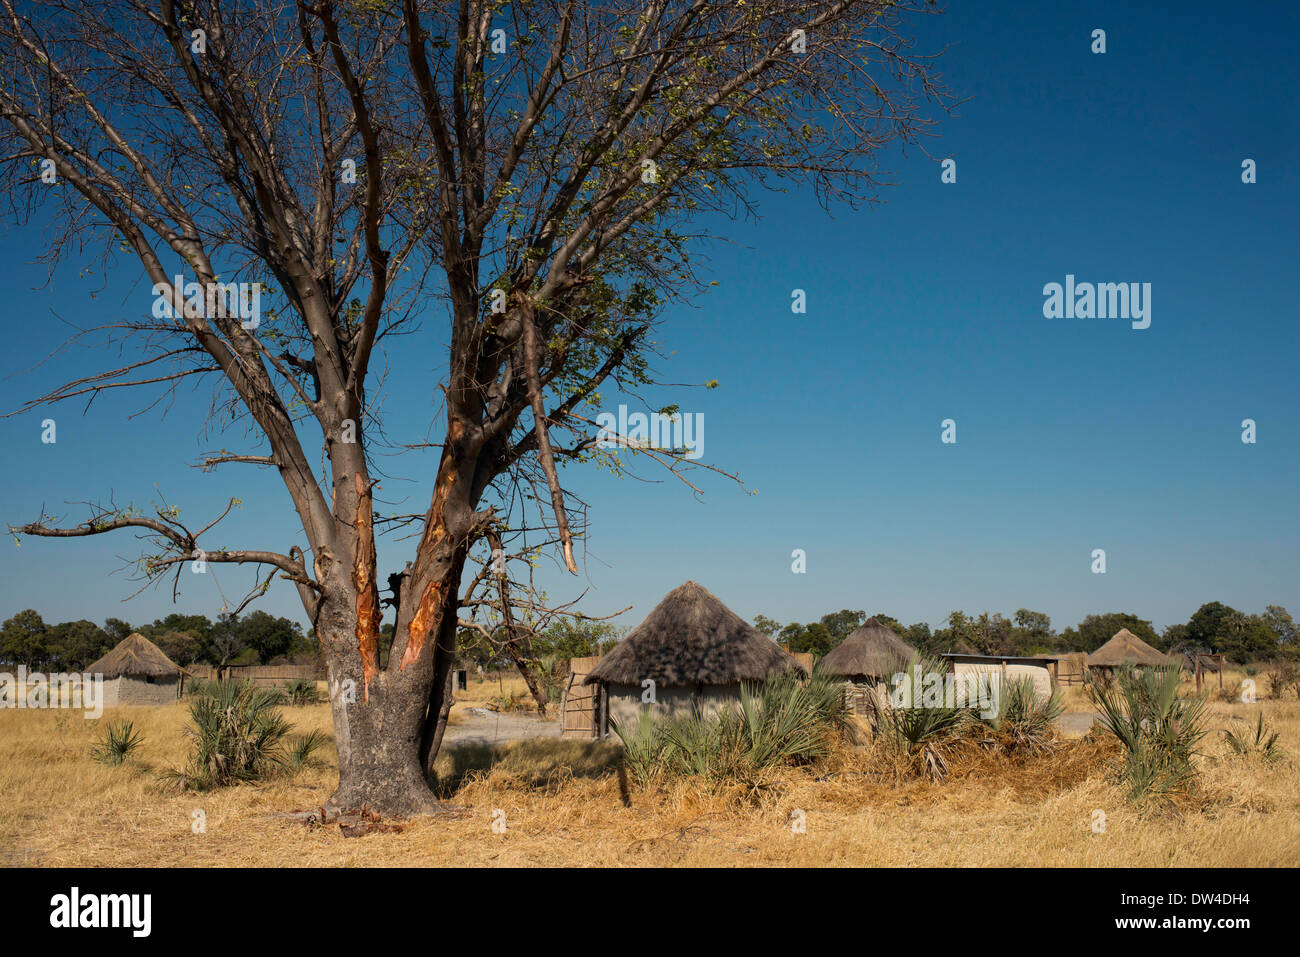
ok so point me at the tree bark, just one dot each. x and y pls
(389, 722)
(379, 732)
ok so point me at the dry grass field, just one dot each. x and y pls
(563, 804)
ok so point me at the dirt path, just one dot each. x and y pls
(482, 725)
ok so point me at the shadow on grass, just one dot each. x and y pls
(533, 763)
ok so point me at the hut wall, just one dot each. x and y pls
(111, 692)
(130, 689)
(1040, 674)
(671, 702)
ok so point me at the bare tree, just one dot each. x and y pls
(533, 170)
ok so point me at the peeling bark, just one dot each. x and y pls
(367, 587)
(435, 589)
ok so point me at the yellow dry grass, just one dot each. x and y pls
(483, 691)
(563, 805)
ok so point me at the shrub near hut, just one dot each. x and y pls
(787, 721)
(238, 734)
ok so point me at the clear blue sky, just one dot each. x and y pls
(1073, 434)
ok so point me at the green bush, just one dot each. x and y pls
(120, 739)
(1158, 727)
(1262, 743)
(238, 735)
(784, 722)
(301, 691)
(1024, 718)
(919, 737)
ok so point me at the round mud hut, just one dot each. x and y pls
(866, 660)
(691, 650)
(1126, 648)
(137, 672)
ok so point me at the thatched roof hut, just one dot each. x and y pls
(1126, 648)
(135, 655)
(137, 672)
(691, 638)
(692, 651)
(873, 650)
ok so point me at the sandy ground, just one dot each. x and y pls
(563, 805)
(492, 727)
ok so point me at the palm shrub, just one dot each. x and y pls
(1158, 727)
(1261, 743)
(238, 734)
(918, 734)
(551, 672)
(120, 739)
(786, 721)
(301, 691)
(643, 747)
(700, 744)
(198, 687)
(302, 749)
(1024, 718)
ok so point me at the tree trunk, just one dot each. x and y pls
(379, 753)
(439, 705)
(389, 722)
(380, 725)
(521, 664)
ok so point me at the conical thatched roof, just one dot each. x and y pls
(692, 638)
(873, 650)
(135, 655)
(1127, 648)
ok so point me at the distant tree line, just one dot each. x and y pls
(1215, 627)
(255, 638)
(261, 638)
(563, 638)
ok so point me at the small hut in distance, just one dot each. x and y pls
(137, 672)
(1126, 648)
(695, 650)
(866, 660)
